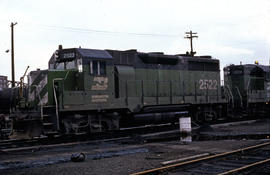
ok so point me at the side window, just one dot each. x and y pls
(102, 68)
(97, 67)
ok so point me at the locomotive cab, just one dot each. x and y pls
(92, 81)
(85, 90)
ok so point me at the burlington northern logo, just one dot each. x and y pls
(100, 83)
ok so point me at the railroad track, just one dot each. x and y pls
(126, 133)
(239, 161)
(122, 133)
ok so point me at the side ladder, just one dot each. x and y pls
(49, 120)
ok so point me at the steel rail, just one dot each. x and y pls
(16, 143)
(166, 168)
(125, 133)
(245, 167)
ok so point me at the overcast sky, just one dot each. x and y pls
(229, 30)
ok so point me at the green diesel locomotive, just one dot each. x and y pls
(87, 90)
(247, 89)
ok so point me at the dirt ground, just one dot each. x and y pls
(120, 158)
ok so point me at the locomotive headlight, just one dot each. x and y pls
(80, 66)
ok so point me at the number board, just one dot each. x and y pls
(68, 55)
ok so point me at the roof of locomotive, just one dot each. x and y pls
(106, 54)
(135, 58)
(94, 53)
(249, 68)
(264, 68)
(72, 53)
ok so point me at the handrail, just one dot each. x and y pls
(55, 99)
(248, 93)
(230, 93)
(41, 105)
(240, 96)
(56, 102)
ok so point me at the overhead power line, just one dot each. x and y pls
(88, 30)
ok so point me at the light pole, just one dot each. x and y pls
(12, 55)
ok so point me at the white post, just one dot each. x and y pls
(185, 129)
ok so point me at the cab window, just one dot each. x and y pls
(97, 67)
(70, 65)
(102, 67)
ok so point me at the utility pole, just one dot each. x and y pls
(12, 54)
(190, 35)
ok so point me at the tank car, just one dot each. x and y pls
(88, 90)
(5, 107)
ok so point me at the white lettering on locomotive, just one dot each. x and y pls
(99, 98)
(69, 55)
(207, 84)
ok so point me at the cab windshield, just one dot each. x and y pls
(67, 65)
